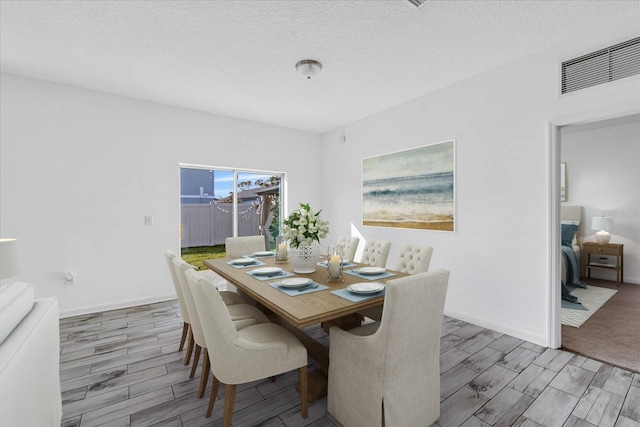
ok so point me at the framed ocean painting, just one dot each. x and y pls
(413, 188)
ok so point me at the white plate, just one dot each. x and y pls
(243, 261)
(266, 271)
(295, 282)
(262, 253)
(371, 270)
(365, 288)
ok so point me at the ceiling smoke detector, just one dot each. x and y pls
(308, 68)
(417, 3)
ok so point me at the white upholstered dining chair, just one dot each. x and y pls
(228, 297)
(169, 256)
(376, 253)
(240, 356)
(388, 372)
(235, 247)
(242, 315)
(414, 259)
(348, 245)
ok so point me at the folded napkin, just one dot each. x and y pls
(344, 264)
(255, 264)
(260, 256)
(293, 292)
(370, 276)
(348, 295)
(263, 277)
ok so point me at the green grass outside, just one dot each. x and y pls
(196, 256)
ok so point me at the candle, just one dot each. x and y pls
(334, 266)
(282, 251)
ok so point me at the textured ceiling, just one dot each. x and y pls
(237, 58)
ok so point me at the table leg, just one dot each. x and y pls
(345, 322)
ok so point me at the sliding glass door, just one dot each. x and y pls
(217, 203)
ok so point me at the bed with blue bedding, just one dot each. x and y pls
(571, 244)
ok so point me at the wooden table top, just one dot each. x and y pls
(300, 310)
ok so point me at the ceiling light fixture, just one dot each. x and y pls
(308, 67)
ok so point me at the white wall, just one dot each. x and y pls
(75, 162)
(603, 176)
(80, 170)
(500, 254)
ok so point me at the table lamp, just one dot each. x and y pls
(603, 224)
(8, 258)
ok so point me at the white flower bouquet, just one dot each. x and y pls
(304, 226)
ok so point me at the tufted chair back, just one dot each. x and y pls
(376, 253)
(349, 246)
(414, 259)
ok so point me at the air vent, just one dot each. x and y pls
(417, 3)
(605, 65)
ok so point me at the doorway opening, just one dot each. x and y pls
(601, 179)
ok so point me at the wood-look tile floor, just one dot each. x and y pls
(123, 368)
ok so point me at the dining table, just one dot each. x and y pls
(297, 301)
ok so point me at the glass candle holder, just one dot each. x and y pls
(334, 263)
(281, 249)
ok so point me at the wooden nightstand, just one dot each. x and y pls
(614, 249)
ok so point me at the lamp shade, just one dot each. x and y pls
(603, 224)
(9, 258)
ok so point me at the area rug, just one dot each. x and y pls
(592, 298)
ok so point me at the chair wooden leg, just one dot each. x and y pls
(214, 394)
(196, 359)
(185, 332)
(302, 378)
(229, 401)
(187, 357)
(206, 366)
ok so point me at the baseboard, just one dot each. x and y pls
(115, 306)
(539, 340)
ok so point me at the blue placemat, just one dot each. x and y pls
(344, 264)
(255, 264)
(262, 277)
(293, 292)
(346, 294)
(370, 276)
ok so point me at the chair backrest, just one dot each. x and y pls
(245, 245)
(196, 327)
(212, 310)
(414, 259)
(412, 321)
(376, 253)
(349, 245)
(228, 352)
(169, 256)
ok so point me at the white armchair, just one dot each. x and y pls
(348, 245)
(388, 372)
(376, 253)
(249, 354)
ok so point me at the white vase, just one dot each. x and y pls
(304, 257)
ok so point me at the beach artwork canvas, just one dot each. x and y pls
(411, 189)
